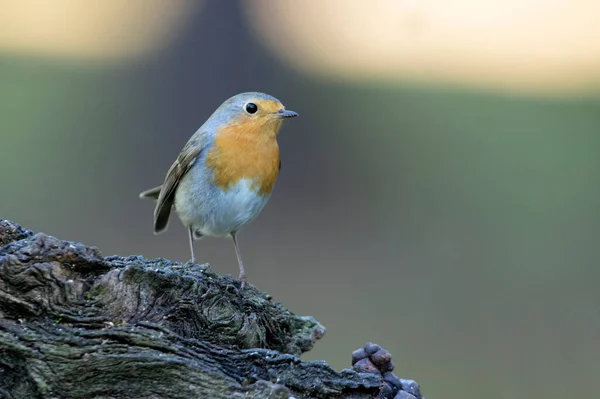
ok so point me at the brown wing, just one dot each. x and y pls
(182, 164)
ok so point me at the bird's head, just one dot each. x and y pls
(252, 114)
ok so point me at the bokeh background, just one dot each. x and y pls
(439, 193)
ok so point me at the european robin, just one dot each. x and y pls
(225, 173)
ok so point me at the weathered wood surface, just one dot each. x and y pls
(74, 324)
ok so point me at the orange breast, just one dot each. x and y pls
(245, 151)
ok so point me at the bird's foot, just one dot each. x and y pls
(243, 280)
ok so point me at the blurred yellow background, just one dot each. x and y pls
(439, 192)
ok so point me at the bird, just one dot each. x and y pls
(225, 173)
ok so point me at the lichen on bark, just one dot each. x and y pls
(75, 324)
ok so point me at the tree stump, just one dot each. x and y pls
(75, 324)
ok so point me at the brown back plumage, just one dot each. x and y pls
(165, 194)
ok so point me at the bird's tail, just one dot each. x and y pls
(163, 210)
(152, 193)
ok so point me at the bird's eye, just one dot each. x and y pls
(251, 108)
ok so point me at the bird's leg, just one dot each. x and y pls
(239, 258)
(191, 236)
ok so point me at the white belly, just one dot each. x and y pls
(213, 212)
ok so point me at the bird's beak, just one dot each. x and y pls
(284, 113)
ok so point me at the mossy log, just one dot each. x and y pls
(75, 324)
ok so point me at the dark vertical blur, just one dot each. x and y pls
(457, 227)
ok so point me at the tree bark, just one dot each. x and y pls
(74, 324)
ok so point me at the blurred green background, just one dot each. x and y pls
(446, 211)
